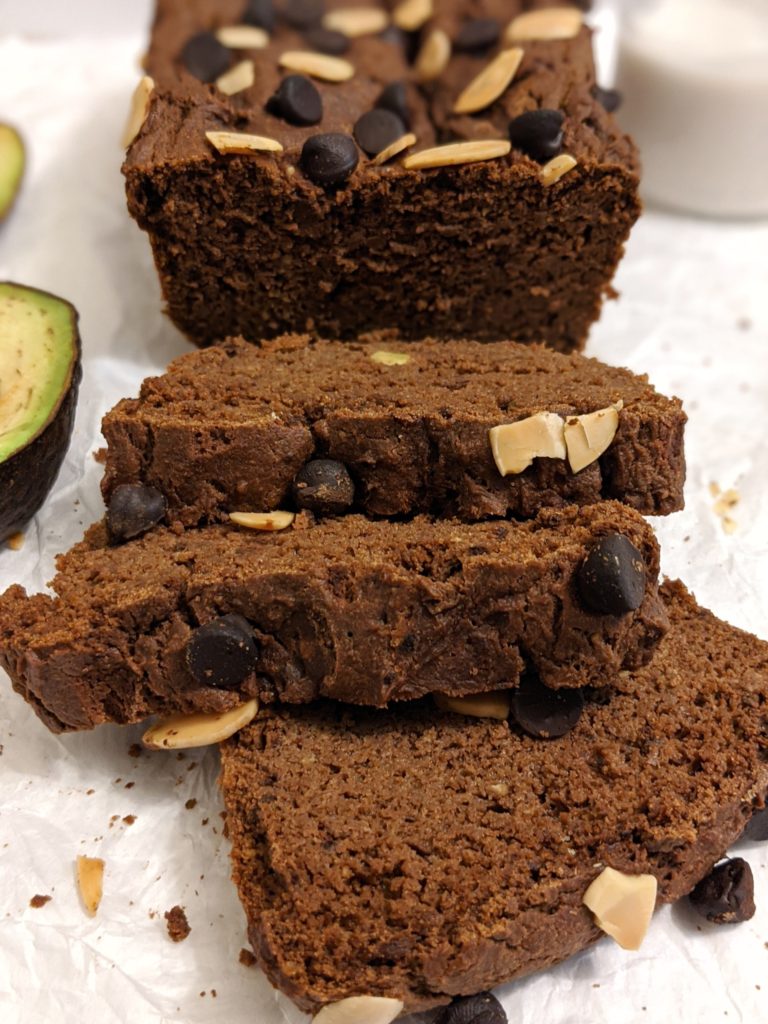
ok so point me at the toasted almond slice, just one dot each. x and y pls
(549, 24)
(90, 882)
(623, 905)
(390, 358)
(410, 15)
(317, 65)
(240, 77)
(243, 37)
(556, 168)
(404, 142)
(182, 732)
(268, 521)
(433, 56)
(492, 81)
(516, 445)
(360, 1010)
(589, 435)
(139, 109)
(458, 153)
(356, 21)
(493, 704)
(239, 142)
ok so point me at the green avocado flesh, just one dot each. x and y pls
(11, 166)
(38, 353)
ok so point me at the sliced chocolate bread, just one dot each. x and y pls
(419, 855)
(233, 428)
(361, 611)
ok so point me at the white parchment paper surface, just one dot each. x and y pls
(693, 314)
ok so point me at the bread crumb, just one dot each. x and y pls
(247, 959)
(16, 541)
(134, 750)
(177, 924)
(129, 819)
(191, 804)
(39, 901)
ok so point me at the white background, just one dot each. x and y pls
(693, 314)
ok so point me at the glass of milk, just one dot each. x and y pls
(694, 74)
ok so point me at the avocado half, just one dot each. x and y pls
(39, 377)
(12, 160)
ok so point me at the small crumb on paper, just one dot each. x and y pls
(177, 924)
(39, 901)
(247, 959)
(726, 502)
(16, 541)
(90, 882)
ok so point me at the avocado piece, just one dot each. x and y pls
(12, 160)
(39, 378)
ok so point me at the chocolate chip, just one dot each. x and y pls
(205, 57)
(538, 133)
(395, 98)
(222, 653)
(296, 101)
(543, 712)
(329, 158)
(611, 99)
(377, 129)
(757, 827)
(303, 14)
(481, 1009)
(324, 486)
(327, 40)
(477, 35)
(260, 13)
(726, 895)
(611, 579)
(133, 509)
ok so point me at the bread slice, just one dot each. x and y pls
(420, 855)
(229, 428)
(367, 612)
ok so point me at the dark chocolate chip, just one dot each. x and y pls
(539, 133)
(480, 1009)
(303, 14)
(133, 509)
(377, 129)
(222, 653)
(324, 486)
(205, 57)
(327, 40)
(726, 895)
(395, 98)
(260, 13)
(296, 101)
(611, 99)
(543, 712)
(329, 158)
(611, 579)
(757, 827)
(477, 35)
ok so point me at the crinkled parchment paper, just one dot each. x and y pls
(693, 314)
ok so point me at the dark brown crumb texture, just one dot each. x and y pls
(177, 924)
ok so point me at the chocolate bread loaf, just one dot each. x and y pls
(367, 612)
(420, 855)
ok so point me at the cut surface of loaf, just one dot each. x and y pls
(421, 855)
(228, 428)
(367, 612)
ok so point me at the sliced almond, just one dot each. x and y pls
(317, 65)
(139, 109)
(243, 37)
(493, 704)
(360, 1010)
(623, 905)
(403, 143)
(410, 15)
(549, 24)
(516, 445)
(357, 21)
(390, 358)
(241, 76)
(556, 168)
(268, 521)
(433, 56)
(182, 732)
(458, 153)
(492, 81)
(589, 435)
(239, 142)
(90, 882)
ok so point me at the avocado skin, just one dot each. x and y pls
(28, 476)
